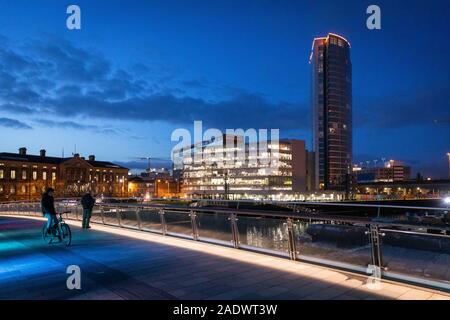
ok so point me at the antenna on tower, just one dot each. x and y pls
(62, 155)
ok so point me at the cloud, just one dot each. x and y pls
(55, 78)
(14, 124)
(75, 126)
(243, 111)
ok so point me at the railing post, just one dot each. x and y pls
(138, 218)
(119, 216)
(291, 239)
(376, 245)
(102, 215)
(76, 212)
(163, 222)
(194, 225)
(234, 230)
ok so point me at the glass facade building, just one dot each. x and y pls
(242, 170)
(332, 111)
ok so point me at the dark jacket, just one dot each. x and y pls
(87, 201)
(48, 204)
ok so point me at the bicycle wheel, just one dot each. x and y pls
(66, 234)
(45, 236)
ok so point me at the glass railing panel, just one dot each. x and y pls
(346, 246)
(96, 215)
(71, 212)
(37, 210)
(214, 227)
(110, 216)
(27, 209)
(128, 217)
(150, 220)
(24, 208)
(178, 223)
(424, 257)
(264, 234)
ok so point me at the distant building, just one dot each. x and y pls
(389, 172)
(156, 173)
(407, 189)
(239, 176)
(332, 111)
(141, 187)
(148, 188)
(26, 177)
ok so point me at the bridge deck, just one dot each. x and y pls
(125, 264)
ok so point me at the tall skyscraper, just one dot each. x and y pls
(332, 111)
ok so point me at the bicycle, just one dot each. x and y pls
(60, 231)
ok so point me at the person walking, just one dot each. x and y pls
(88, 202)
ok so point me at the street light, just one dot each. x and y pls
(121, 188)
(447, 201)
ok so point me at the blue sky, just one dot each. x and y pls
(137, 70)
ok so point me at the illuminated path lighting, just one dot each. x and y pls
(125, 264)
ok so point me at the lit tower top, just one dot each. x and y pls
(325, 40)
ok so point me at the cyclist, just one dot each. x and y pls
(48, 209)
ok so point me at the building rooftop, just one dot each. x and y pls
(7, 156)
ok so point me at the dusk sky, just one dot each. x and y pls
(137, 70)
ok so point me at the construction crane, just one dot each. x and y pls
(149, 158)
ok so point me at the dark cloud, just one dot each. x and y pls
(75, 126)
(70, 63)
(65, 81)
(243, 111)
(194, 83)
(14, 124)
(17, 109)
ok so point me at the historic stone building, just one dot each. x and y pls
(26, 177)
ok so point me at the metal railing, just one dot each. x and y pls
(415, 253)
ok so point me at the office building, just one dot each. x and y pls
(332, 111)
(26, 177)
(277, 172)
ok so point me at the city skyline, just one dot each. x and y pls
(62, 88)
